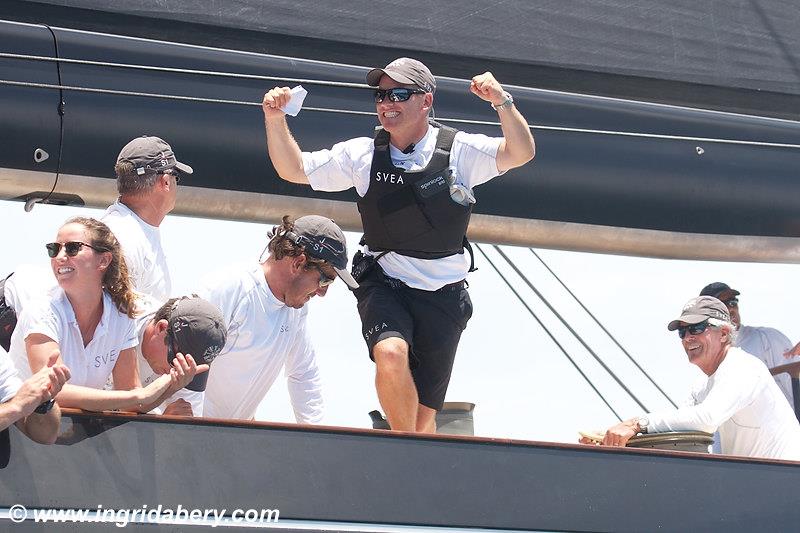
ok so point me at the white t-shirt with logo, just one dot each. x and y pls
(745, 403)
(141, 245)
(769, 344)
(147, 309)
(264, 336)
(347, 164)
(89, 366)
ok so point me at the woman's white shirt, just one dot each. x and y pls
(90, 365)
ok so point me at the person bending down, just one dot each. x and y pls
(87, 323)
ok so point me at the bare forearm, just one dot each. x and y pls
(284, 151)
(91, 399)
(518, 146)
(42, 428)
(10, 412)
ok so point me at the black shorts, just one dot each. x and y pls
(431, 322)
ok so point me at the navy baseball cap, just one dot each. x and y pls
(716, 290)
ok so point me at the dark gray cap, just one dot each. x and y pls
(404, 70)
(150, 154)
(197, 328)
(323, 239)
(716, 289)
(699, 309)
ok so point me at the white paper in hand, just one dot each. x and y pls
(296, 103)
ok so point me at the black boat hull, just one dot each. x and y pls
(370, 477)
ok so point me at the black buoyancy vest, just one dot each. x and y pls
(411, 212)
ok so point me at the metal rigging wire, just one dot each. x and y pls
(326, 83)
(571, 330)
(560, 347)
(612, 337)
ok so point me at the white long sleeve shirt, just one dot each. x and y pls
(264, 336)
(744, 403)
(769, 344)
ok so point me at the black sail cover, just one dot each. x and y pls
(740, 56)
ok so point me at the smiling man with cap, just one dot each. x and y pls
(738, 397)
(188, 325)
(415, 180)
(265, 309)
(147, 180)
(768, 344)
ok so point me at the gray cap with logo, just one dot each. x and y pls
(150, 154)
(699, 309)
(404, 70)
(323, 239)
(197, 328)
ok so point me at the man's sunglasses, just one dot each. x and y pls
(72, 248)
(398, 94)
(693, 329)
(324, 279)
(733, 302)
(174, 173)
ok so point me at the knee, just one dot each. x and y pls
(391, 356)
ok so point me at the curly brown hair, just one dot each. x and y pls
(280, 245)
(115, 279)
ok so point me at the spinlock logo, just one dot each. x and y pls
(438, 180)
(389, 177)
(375, 329)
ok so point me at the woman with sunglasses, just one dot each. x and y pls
(88, 321)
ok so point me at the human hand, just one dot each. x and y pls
(183, 370)
(487, 88)
(620, 434)
(43, 386)
(179, 407)
(274, 100)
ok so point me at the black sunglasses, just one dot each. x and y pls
(324, 279)
(398, 94)
(72, 248)
(694, 329)
(174, 173)
(733, 302)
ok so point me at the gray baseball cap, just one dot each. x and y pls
(699, 309)
(404, 70)
(197, 328)
(150, 154)
(323, 239)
